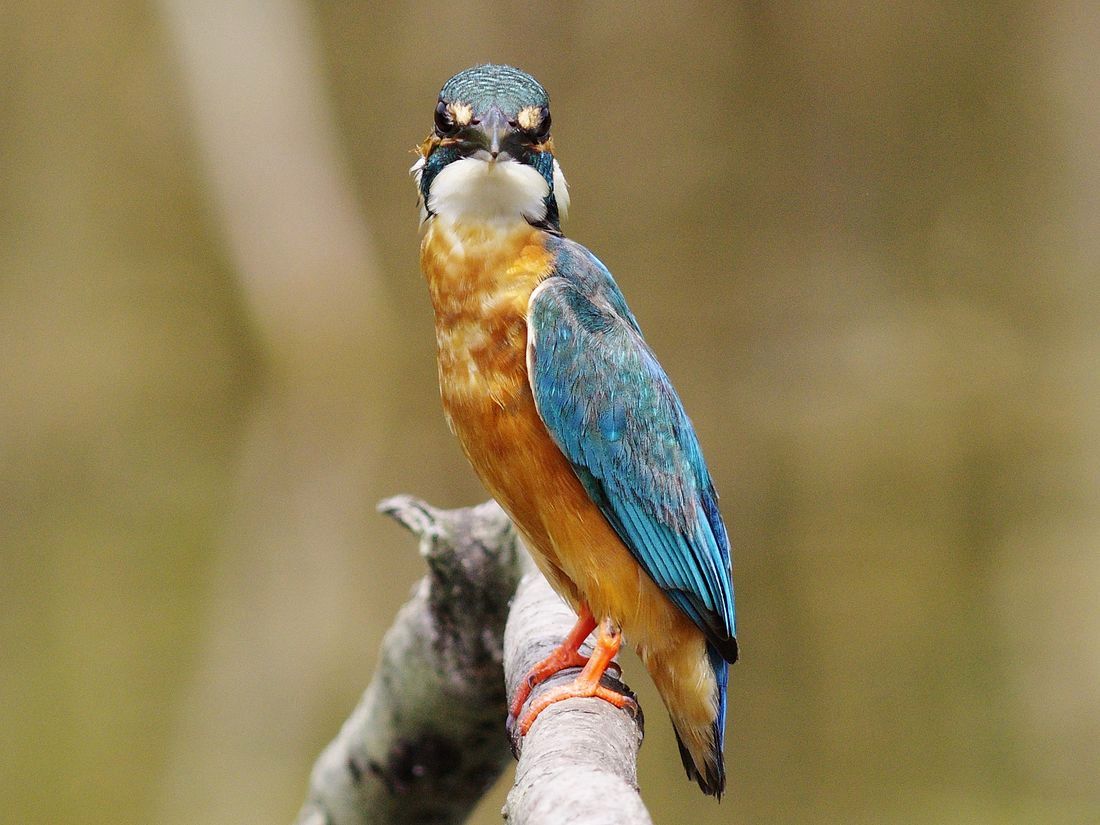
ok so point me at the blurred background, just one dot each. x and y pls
(864, 239)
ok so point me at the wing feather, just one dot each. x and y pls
(613, 412)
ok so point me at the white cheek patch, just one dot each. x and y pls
(501, 191)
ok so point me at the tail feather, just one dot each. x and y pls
(711, 773)
(712, 780)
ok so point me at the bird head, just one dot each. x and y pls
(490, 154)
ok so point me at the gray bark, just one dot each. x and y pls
(578, 762)
(427, 739)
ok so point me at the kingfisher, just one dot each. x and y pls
(567, 417)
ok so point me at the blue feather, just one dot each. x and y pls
(613, 412)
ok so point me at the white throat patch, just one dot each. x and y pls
(506, 191)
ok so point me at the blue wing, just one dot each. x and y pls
(612, 410)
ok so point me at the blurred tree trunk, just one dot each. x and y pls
(1045, 587)
(280, 601)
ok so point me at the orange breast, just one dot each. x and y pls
(481, 279)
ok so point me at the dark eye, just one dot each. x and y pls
(444, 126)
(542, 131)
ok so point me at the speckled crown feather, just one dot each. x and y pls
(510, 88)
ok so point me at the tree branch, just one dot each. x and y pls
(425, 741)
(578, 763)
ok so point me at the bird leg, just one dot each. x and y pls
(564, 655)
(587, 684)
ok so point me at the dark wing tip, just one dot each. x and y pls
(717, 632)
(728, 648)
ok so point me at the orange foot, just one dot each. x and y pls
(587, 684)
(564, 655)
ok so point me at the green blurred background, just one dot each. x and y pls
(864, 239)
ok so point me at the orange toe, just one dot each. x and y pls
(556, 662)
